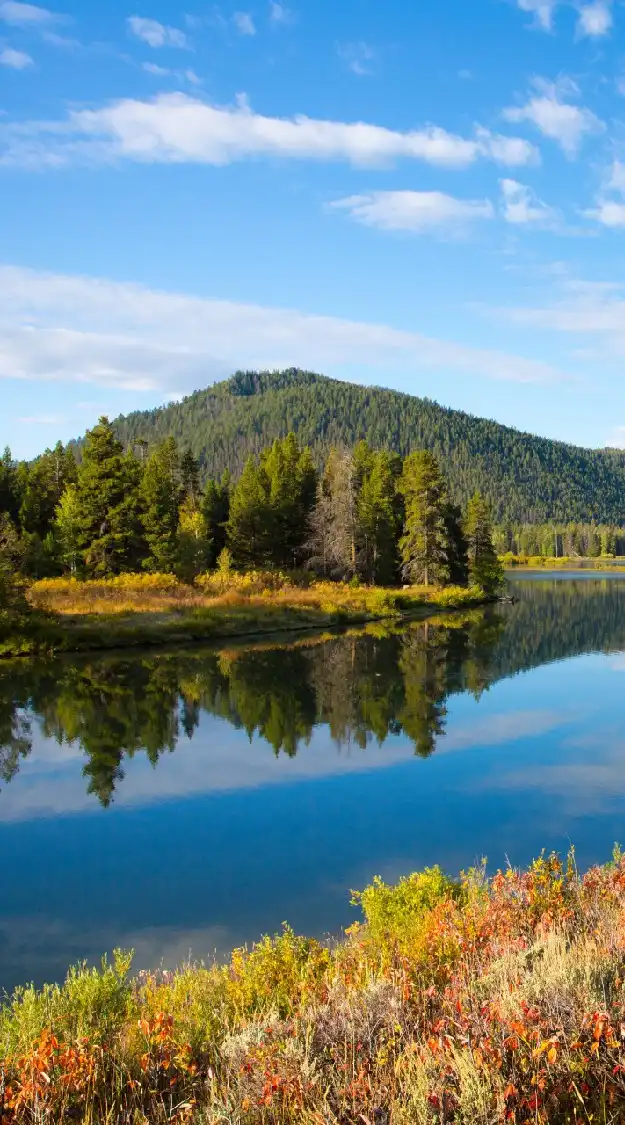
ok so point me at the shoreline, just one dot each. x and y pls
(41, 634)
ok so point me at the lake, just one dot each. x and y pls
(183, 802)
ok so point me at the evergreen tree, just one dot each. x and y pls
(377, 517)
(250, 533)
(292, 485)
(425, 542)
(190, 478)
(107, 494)
(160, 498)
(67, 527)
(216, 509)
(457, 550)
(485, 569)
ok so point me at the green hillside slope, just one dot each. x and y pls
(526, 478)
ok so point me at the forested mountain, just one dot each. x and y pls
(527, 479)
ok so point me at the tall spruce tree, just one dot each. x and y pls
(216, 510)
(190, 478)
(292, 483)
(377, 518)
(457, 551)
(160, 498)
(67, 528)
(485, 569)
(425, 542)
(107, 495)
(250, 533)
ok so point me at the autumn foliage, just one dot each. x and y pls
(469, 1001)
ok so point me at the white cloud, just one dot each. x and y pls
(358, 57)
(521, 206)
(156, 70)
(542, 10)
(416, 211)
(608, 212)
(23, 14)
(595, 19)
(81, 330)
(278, 14)
(175, 128)
(155, 34)
(16, 60)
(556, 118)
(244, 23)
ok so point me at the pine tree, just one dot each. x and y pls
(190, 478)
(160, 499)
(457, 551)
(107, 493)
(377, 517)
(292, 485)
(425, 542)
(67, 527)
(250, 532)
(485, 569)
(216, 510)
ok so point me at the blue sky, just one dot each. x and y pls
(427, 196)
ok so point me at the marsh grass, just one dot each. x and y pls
(468, 1001)
(155, 609)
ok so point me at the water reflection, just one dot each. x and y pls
(363, 687)
(194, 799)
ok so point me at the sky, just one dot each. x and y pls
(425, 196)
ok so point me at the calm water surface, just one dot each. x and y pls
(185, 802)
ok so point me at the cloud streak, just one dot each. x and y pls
(156, 34)
(550, 109)
(23, 15)
(416, 211)
(81, 330)
(176, 129)
(15, 60)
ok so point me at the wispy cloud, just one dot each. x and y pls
(416, 211)
(358, 57)
(591, 312)
(244, 23)
(156, 34)
(16, 60)
(80, 330)
(176, 128)
(541, 10)
(551, 110)
(595, 20)
(279, 14)
(610, 211)
(21, 15)
(522, 207)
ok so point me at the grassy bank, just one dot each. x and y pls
(142, 610)
(474, 1001)
(562, 562)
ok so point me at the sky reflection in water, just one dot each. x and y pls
(185, 802)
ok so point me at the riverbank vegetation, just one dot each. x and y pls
(137, 537)
(472, 1001)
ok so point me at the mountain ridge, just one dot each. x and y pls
(525, 477)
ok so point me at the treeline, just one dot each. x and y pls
(572, 540)
(368, 516)
(526, 479)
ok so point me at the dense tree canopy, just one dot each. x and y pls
(525, 479)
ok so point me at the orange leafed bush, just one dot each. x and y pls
(454, 1002)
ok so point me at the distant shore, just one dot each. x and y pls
(73, 616)
(561, 562)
